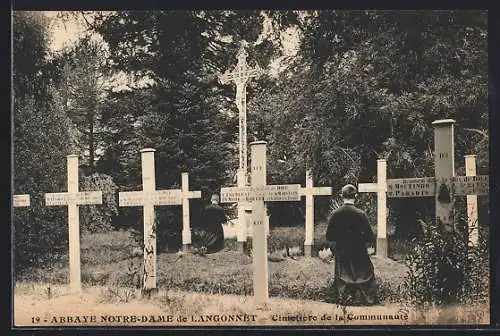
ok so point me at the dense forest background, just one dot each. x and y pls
(343, 88)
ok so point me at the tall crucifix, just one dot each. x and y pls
(241, 75)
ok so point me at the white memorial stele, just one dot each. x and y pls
(148, 198)
(73, 199)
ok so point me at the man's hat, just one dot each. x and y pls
(349, 191)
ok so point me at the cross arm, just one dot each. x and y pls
(192, 194)
(21, 200)
(157, 197)
(79, 198)
(225, 78)
(367, 187)
(316, 191)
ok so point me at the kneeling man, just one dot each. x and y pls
(349, 228)
(210, 234)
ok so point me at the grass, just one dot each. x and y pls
(188, 283)
(282, 237)
(108, 259)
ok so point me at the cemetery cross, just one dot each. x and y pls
(73, 198)
(148, 198)
(258, 193)
(309, 192)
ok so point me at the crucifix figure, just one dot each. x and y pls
(241, 75)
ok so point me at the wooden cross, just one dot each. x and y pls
(309, 192)
(186, 195)
(258, 193)
(472, 186)
(241, 75)
(73, 199)
(472, 218)
(20, 201)
(444, 186)
(148, 198)
(380, 188)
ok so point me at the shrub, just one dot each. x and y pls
(98, 218)
(444, 270)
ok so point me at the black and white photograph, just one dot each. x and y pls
(237, 168)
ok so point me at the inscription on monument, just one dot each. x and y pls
(471, 185)
(271, 193)
(411, 187)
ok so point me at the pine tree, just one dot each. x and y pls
(40, 145)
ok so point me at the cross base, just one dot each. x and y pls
(186, 248)
(75, 288)
(148, 292)
(382, 247)
(264, 306)
(308, 251)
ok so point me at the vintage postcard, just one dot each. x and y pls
(250, 168)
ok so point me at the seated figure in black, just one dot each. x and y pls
(209, 236)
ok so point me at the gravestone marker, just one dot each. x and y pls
(309, 192)
(380, 188)
(470, 170)
(472, 186)
(148, 198)
(186, 196)
(258, 193)
(20, 201)
(73, 199)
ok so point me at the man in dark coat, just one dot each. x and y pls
(349, 228)
(210, 234)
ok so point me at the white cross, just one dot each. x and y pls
(309, 192)
(380, 188)
(186, 196)
(150, 197)
(258, 193)
(73, 199)
(475, 188)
